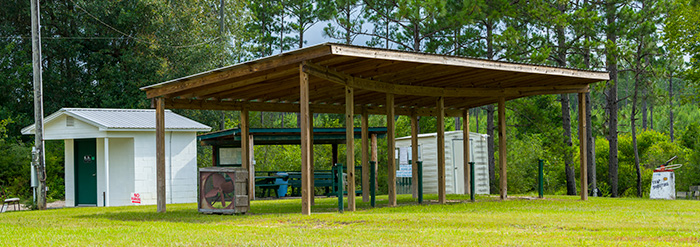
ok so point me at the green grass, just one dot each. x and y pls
(555, 221)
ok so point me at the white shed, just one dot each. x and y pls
(454, 161)
(111, 153)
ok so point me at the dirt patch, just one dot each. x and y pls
(50, 205)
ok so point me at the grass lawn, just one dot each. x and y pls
(520, 221)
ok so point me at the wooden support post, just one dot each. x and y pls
(391, 145)
(442, 195)
(373, 147)
(414, 154)
(467, 151)
(214, 155)
(245, 152)
(502, 146)
(251, 165)
(350, 146)
(311, 159)
(365, 156)
(160, 155)
(306, 141)
(582, 144)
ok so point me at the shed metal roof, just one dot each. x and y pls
(124, 120)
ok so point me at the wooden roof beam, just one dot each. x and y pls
(384, 87)
(293, 107)
(373, 53)
(217, 89)
(215, 76)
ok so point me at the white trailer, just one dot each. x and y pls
(454, 161)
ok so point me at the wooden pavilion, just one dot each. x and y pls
(335, 78)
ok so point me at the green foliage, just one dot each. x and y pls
(655, 148)
(689, 174)
(522, 158)
(264, 27)
(305, 14)
(347, 21)
(409, 25)
(15, 159)
(682, 27)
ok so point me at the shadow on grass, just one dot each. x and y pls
(187, 213)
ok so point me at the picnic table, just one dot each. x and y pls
(272, 183)
(325, 179)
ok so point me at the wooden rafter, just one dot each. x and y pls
(293, 107)
(424, 58)
(384, 87)
(215, 76)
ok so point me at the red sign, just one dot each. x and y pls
(135, 198)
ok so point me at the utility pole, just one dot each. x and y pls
(221, 21)
(38, 107)
(222, 126)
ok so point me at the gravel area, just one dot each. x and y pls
(50, 205)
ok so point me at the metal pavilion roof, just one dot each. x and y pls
(416, 79)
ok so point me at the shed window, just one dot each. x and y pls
(70, 121)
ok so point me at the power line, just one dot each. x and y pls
(139, 39)
(55, 38)
(76, 38)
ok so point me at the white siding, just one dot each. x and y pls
(481, 166)
(181, 167)
(121, 170)
(57, 130)
(145, 166)
(101, 186)
(69, 172)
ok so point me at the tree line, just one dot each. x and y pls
(98, 53)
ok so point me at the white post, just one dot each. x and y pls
(106, 159)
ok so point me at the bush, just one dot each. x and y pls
(15, 166)
(15, 158)
(654, 149)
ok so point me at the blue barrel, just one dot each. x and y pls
(283, 182)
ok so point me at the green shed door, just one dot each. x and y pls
(85, 171)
